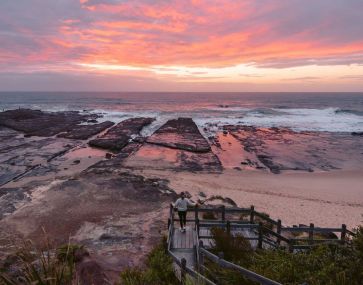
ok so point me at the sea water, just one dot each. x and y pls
(331, 112)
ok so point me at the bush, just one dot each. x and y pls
(159, 269)
(42, 267)
(234, 247)
(133, 276)
(327, 264)
(358, 242)
(209, 216)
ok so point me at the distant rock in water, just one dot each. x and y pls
(118, 136)
(181, 133)
(44, 124)
(348, 111)
(357, 133)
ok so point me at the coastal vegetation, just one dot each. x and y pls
(44, 266)
(331, 264)
(328, 264)
(158, 269)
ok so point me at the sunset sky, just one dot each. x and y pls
(195, 45)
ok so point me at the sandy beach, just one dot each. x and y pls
(327, 199)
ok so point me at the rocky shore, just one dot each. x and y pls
(119, 136)
(181, 133)
(44, 124)
(281, 149)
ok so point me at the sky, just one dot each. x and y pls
(185, 45)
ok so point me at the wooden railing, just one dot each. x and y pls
(250, 275)
(181, 263)
(269, 233)
(267, 227)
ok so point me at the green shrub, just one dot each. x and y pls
(209, 216)
(327, 264)
(133, 276)
(358, 242)
(40, 267)
(159, 269)
(67, 252)
(234, 247)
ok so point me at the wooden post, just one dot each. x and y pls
(252, 214)
(171, 213)
(221, 255)
(228, 226)
(171, 208)
(201, 257)
(291, 245)
(278, 230)
(183, 270)
(343, 233)
(260, 236)
(196, 213)
(197, 226)
(223, 212)
(311, 233)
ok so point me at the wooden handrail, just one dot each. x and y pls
(245, 272)
(183, 266)
(306, 229)
(263, 235)
(253, 214)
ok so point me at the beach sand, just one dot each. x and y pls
(327, 199)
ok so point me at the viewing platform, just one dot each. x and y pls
(189, 249)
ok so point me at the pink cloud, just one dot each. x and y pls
(203, 33)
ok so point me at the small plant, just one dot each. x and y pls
(133, 276)
(68, 252)
(209, 216)
(266, 224)
(358, 243)
(234, 247)
(244, 217)
(159, 269)
(41, 267)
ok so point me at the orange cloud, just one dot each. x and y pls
(189, 34)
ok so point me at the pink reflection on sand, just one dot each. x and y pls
(152, 152)
(231, 152)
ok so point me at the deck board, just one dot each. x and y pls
(183, 239)
(183, 242)
(183, 245)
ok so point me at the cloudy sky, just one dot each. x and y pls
(186, 45)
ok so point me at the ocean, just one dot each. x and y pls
(331, 112)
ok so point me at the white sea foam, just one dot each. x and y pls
(211, 118)
(302, 119)
(297, 119)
